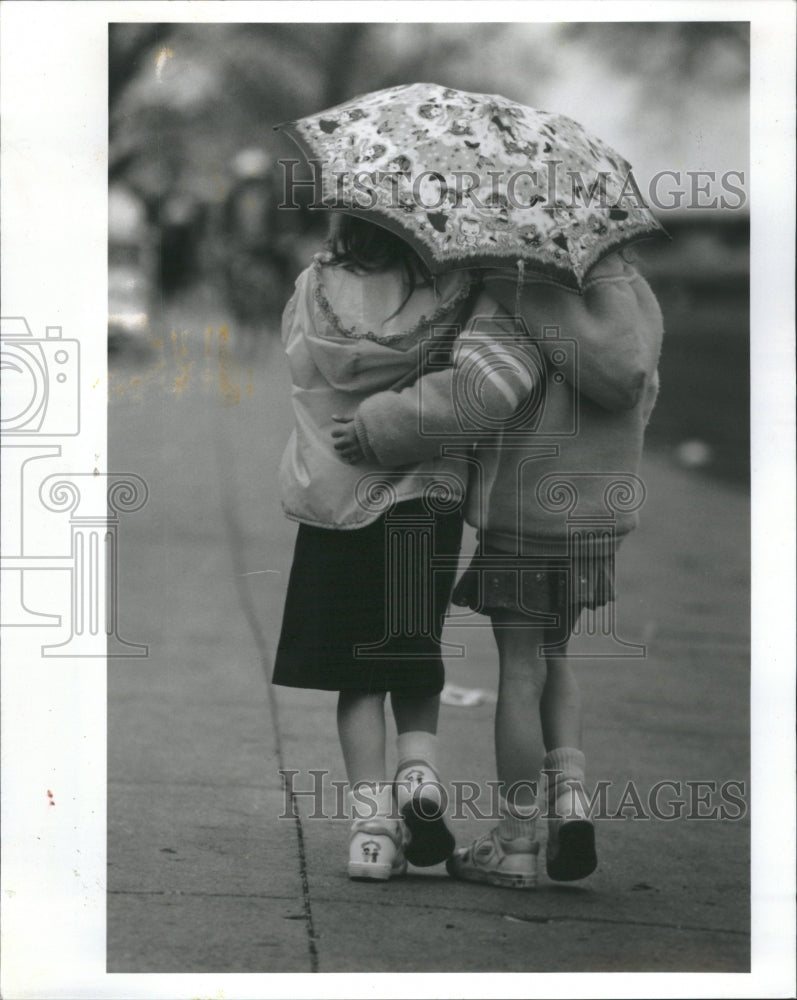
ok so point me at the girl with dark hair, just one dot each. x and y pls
(357, 621)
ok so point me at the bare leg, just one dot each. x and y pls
(539, 705)
(417, 789)
(518, 730)
(375, 838)
(560, 706)
(570, 849)
(361, 730)
(415, 712)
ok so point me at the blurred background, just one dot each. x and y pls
(198, 251)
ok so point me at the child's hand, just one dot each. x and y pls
(346, 444)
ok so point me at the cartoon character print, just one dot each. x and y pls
(438, 198)
(361, 162)
(370, 851)
(480, 135)
(400, 164)
(431, 111)
(531, 236)
(460, 126)
(398, 180)
(525, 191)
(498, 219)
(563, 216)
(583, 239)
(525, 148)
(449, 122)
(568, 229)
(432, 191)
(370, 158)
(341, 169)
(596, 225)
(370, 152)
(469, 231)
(452, 200)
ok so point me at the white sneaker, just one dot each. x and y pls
(511, 864)
(376, 849)
(420, 798)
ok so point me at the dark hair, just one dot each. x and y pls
(361, 245)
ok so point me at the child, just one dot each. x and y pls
(527, 565)
(352, 328)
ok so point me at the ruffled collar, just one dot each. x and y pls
(399, 338)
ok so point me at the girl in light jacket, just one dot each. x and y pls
(364, 610)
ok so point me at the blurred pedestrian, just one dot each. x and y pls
(257, 240)
(182, 228)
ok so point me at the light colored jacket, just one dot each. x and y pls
(343, 344)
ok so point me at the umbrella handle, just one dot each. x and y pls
(521, 274)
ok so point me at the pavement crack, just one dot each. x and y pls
(235, 535)
(659, 924)
(200, 894)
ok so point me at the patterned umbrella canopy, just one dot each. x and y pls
(476, 179)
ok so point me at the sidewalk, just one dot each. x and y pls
(203, 875)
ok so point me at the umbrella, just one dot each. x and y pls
(476, 179)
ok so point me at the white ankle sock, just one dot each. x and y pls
(417, 745)
(517, 821)
(416, 768)
(564, 769)
(370, 800)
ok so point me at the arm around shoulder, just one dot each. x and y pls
(398, 428)
(616, 323)
(489, 378)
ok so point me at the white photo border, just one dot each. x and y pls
(54, 186)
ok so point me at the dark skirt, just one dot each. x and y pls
(365, 607)
(536, 585)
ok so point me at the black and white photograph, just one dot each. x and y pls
(398, 452)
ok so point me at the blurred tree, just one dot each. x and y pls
(671, 51)
(191, 95)
(196, 93)
(128, 45)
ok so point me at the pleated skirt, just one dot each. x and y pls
(364, 608)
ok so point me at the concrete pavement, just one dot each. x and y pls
(204, 875)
